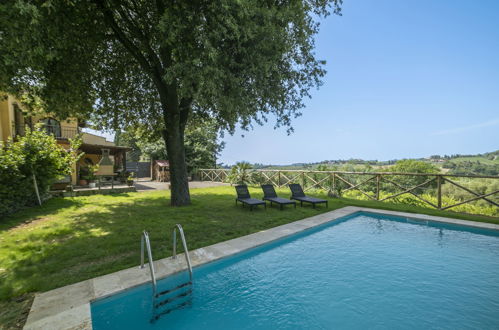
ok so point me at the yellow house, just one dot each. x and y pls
(96, 149)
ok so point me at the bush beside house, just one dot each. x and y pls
(36, 156)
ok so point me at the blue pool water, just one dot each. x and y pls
(366, 271)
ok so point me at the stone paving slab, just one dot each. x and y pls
(69, 307)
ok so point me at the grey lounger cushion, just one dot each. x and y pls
(298, 194)
(271, 196)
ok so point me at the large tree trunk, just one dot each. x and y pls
(179, 184)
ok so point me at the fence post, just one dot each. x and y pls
(303, 179)
(334, 183)
(439, 191)
(279, 179)
(378, 179)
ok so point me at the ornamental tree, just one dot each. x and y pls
(33, 159)
(158, 62)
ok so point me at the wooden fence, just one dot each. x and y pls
(369, 184)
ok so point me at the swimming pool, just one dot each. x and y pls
(367, 270)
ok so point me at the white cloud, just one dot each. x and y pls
(493, 122)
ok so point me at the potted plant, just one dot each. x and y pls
(122, 176)
(129, 179)
(91, 177)
(83, 176)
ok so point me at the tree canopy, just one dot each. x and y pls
(157, 62)
(202, 145)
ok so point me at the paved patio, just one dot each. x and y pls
(140, 185)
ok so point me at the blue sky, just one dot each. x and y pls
(405, 79)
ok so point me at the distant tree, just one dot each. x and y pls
(413, 166)
(202, 145)
(474, 168)
(448, 164)
(128, 139)
(157, 62)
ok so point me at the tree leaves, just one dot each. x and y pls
(236, 61)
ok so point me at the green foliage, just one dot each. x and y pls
(407, 199)
(202, 145)
(469, 167)
(35, 154)
(239, 173)
(412, 166)
(90, 172)
(130, 177)
(157, 63)
(479, 186)
(127, 138)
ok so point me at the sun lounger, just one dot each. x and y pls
(271, 196)
(298, 194)
(244, 197)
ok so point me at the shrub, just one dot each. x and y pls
(413, 166)
(239, 173)
(407, 199)
(34, 156)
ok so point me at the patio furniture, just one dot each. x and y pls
(244, 197)
(271, 196)
(298, 194)
(102, 183)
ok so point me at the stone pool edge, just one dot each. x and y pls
(69, 307)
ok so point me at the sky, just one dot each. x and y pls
(406, 79)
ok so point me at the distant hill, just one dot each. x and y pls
(479, 164)
(486, 158)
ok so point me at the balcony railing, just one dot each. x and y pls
(67, 133)
(60, 133)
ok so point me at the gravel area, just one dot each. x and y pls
(146, 185)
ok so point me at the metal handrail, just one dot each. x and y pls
(145, 241)
(186, 251)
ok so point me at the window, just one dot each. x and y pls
(51, 126)
(18, 121)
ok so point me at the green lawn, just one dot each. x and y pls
(73, 239)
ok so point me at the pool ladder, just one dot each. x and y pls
(157, 301)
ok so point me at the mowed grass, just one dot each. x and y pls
(72, 239)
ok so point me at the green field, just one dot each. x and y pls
(482, 160)
(73, 239)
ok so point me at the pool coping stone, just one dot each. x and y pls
(68, 307)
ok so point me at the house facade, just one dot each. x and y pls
(96, 149)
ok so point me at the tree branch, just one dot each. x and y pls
(121, 36)
(144, 39)
(153, 69)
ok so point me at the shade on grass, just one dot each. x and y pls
(72, 239)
